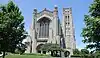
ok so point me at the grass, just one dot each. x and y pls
(27, 56)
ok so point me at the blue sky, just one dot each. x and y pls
(79, 9)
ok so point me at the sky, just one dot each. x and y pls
(79, 9)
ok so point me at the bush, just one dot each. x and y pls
(76, 51)
(66, 53)
(17, 51)
(77, 55)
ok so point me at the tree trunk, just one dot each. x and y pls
(51, 53)
(3, 54)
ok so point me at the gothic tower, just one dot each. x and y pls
(68, 29)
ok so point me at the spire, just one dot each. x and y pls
(44, 9)
(55, 8)
(35, 11)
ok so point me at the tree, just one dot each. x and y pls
(20, 49)
(11, 27)
(76, 51)
(91, 32)
(84, 51)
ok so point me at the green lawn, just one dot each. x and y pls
(26, 56)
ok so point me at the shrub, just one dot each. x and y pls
(66, 53)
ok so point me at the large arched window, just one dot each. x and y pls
(44, 27)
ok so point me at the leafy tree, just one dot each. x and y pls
(84, 51)
(11, 27)
(91, 32)
(20, 49)
(76, 51)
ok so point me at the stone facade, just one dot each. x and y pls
(46, 28)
